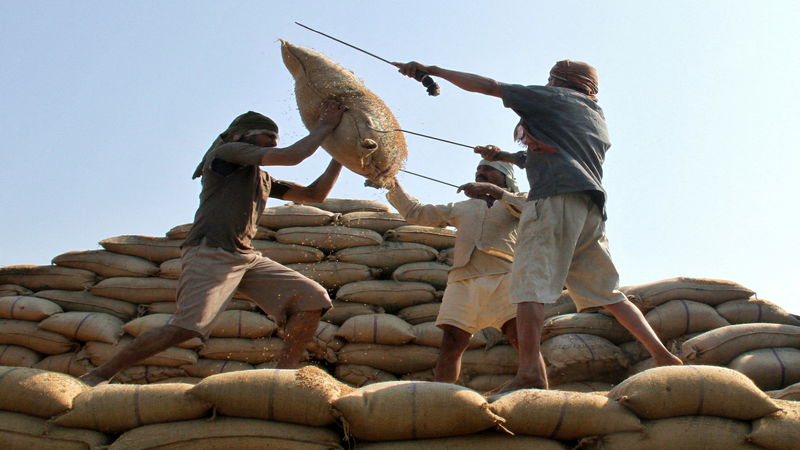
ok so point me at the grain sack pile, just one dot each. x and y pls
(374, 351)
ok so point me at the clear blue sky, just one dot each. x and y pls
(108, 106)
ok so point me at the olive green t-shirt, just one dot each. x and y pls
(233, 197)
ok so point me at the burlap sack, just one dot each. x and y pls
(184, 380)
(584, 386)
(99, 353)
(562, 305)
(780, 430)
(366, 141)
(291, 215)
(27, 334)
(426, 312)
(139, 325)
(583, 357)
(433, 273)
(487, 382)
(634, 352)
(375, 221)
(85, 301)
(170, 307)
(23, 307)
(586, 323)
(332, 275)
(388, 255)
(342, 311)
(396, 359)
(479, 441)
(37, 392)
(13, 289)
(752, 310)
(21, 431)
(107, 264)
(447, 256)
(72, 363)
(376, 329)
(672, 391)
(359, 375)
(769, 368)
(40, 278)
(685, 433)
(303, 396)
(788, 393)
(137, 290)
(170, 269)
(147, 374)
(678, 317)
(288, 253)
(207, 367)
(242, 324)
(427, 333)
(228, 432)
(181, 231)
(501, 359)
(14, 355)
(85, 326)
(347, 205)
(412, 410)
(253, 351)
(563, 415)
(720, 346)
(703, 290)
(438, 238)
(115, 408)
(389, 294)
(328, 238)
(155, 249)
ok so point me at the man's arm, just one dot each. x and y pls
(319, 189)
(494, 153)
(417, 213)
(329, 118)
(466, 81)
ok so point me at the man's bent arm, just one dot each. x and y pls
(319, 189)
(417, 213)
(329, 118)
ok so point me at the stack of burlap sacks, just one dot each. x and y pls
(386, 278)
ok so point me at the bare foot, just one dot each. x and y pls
(91, 379)
(518, 383)
(668, 360)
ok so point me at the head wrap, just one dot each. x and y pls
(506, 169)
(244, 124)
(577, 75)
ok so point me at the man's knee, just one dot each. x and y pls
(176, 333)
(454, 340)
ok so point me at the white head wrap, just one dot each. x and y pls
(506, 169)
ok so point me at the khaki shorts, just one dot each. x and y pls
(477, 303)
(210, 276)
(562, 242)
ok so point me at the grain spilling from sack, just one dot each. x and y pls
(693, 390)
(412, 410)
(37, 392)
(40, 278)
(769, 368)
(720, 346)
(365, 141)
(115, 408)
(563, 415)
(107, 264)
(85, 301)
(302, 396)
(22, 307)
(155, 249)
(21, 431)
(292, 215)
(228, 432)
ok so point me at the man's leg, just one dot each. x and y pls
(531, 372)
(631, 318)
(145, 345)
(454, 344)
(300, 329)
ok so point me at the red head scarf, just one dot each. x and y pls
(577, 75)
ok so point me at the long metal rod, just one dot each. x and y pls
(435, 138)
(428, 178)
(345, 43)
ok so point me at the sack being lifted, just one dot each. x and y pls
(365, 141)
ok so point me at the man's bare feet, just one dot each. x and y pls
(91, 379)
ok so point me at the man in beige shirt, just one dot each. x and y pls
(477, 293)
